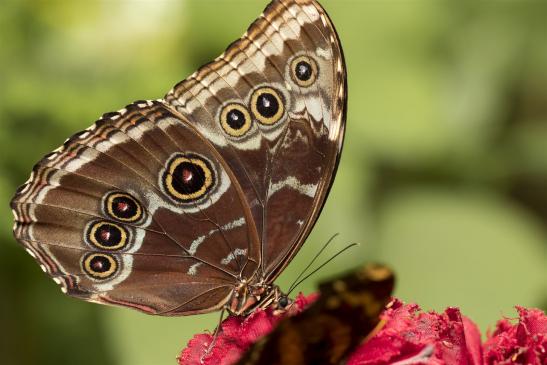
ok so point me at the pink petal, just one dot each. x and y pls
(237, 335)
(413, 337)
(524, 342)
(409, 337)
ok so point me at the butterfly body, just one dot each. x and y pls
(198, 201)
(247, 297)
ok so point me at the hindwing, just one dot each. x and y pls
(139, 210)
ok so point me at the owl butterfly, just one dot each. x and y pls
(346, 313)
(197, 201)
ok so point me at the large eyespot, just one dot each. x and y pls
(304, 71)
(235, 120)
(123, 207)
(107, 236)
(267, 105)
(100, 266)
(188, 178)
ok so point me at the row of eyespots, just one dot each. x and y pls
(105, 236)
(267, 107)
(110, 236)
(267, 104)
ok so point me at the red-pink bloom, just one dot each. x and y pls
(408, 337)
(413, 337)
(237, 335)
(522, 343)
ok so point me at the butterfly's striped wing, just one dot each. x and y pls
(273, 105)
(139, 210)
(171, 206)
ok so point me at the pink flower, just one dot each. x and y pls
(413, 337)
(522, 343)
(237, 335)
(408, 337)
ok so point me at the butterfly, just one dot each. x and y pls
(346, 313)
(197, 201)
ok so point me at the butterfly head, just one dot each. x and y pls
(247, 297)
(283, 302)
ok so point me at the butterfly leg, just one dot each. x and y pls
(215, 335)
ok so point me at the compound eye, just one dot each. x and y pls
(283, 302)
(304, 71)
(235, 120)
(100, 266)
(123, 207)
(267, 105)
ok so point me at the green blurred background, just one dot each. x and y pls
(443, 176)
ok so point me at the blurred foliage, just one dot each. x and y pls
(444, 173)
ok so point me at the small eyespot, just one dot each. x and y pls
(123, 207)
(99, 265)
(304, 71)
(267, 105)
(107, 236)
(188, 178)
(235, 120)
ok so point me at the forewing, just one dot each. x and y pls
(284, 158)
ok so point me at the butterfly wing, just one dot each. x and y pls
(139, 210)
(165, 206)
(274, 105)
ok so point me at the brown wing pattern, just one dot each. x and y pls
(285, 162)
(106, 215)
(167, 206)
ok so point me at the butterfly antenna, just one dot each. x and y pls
(321, 266)
(313, 260)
